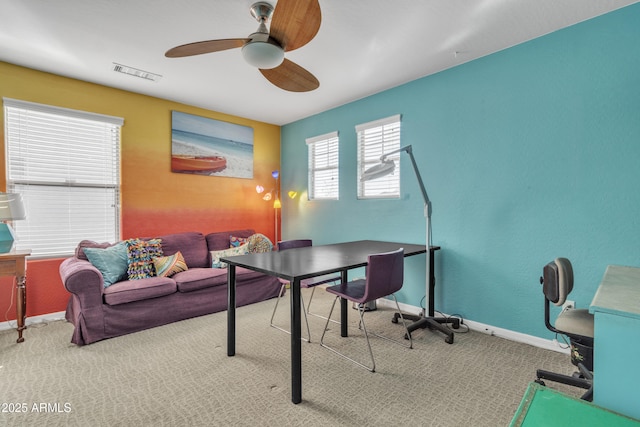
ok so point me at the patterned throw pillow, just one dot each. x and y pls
(167, 266)
(259, 243)
(140, 257)
(216, 255)
(234, 241)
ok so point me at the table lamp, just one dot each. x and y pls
(11, 209)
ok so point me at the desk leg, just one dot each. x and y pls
(344, 310)
(231, 310)
(296, 348)
(21, 306)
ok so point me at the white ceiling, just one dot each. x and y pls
(363, 46)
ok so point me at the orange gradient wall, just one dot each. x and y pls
(154, 200)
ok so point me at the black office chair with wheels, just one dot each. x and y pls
(384, 277)
(577, 324)
(306, 283)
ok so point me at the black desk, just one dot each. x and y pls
(295, 265)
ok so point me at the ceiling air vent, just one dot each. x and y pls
(136, 72)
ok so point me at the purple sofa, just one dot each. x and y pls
(133, 305)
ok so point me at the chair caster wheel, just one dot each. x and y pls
(394, 319)
(448, 340)
(539, 381)
(406, 337)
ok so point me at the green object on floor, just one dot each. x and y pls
(542, 406)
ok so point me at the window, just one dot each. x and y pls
(66, 165)
(323, 167)
(375, 139)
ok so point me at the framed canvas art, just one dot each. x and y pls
(204, 146)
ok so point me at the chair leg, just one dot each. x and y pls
(582, 379)
(372, 368)
(306, 321)
(362, 326)
(402, 343)
(315, 314)
(282, 288)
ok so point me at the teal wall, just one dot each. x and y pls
(527, 154)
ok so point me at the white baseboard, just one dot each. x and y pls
(51, 317)
(490, 330)
(406, 308)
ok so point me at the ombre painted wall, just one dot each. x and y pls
(154, 200)
(528, 154)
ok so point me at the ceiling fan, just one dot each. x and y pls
(294, 23)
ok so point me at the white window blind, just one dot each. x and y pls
(66, 165)
(323, 167)
(375, 139)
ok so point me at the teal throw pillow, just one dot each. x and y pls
(111, 262)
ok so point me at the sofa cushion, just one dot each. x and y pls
(137, 290)
(192, 245)
(110, 261)
(141, 254)
(199, 278)
(222, 240)
(167, 266)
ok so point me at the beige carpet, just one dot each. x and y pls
(180, 375)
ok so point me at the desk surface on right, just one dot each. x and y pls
(619, 292)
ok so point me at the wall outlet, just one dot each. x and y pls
(568, 304)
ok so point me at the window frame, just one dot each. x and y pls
(374, 139)
(71, 189)
(329, 169)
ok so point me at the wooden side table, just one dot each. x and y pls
(14, 263)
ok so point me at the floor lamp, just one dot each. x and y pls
(275, 195)
(426, 319)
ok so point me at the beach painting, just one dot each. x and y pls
(204, 146)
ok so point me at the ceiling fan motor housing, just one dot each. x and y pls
(262, 51)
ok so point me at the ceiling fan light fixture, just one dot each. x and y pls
(263, 54)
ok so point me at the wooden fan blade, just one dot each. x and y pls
(292, 77)
(208, 46)
(295, 22)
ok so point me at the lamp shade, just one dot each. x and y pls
(384, 168)
(11, 207)
(263, 54)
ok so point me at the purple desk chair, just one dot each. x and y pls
(306, 283)
(384, 277)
